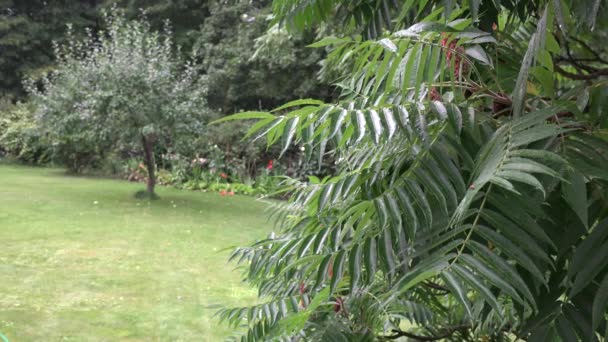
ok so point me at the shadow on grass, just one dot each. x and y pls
(145, 195)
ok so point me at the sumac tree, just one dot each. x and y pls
(471, 198)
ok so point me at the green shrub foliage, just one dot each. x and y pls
(20, 137)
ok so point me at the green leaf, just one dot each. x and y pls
(439, 109)
(412, 59)
(394, 211)
(522, 177)
(491, 276)
(244, 116)
(354, 266)
(559, 15)
(425, 26)
(301, 102)
(381, 211)
(513, 232)
(433, 64)
(338, 270)
(505, 270)
(593, 266)
(589, 247)
(600, 303)
(535, 133)
(574, 192)
(545, 77)
(257, 126)
(385, 247)
(474, 7)
(388, 44)
(391, 123)
(325, 195)
(376, 125)
(593, 11)
(478, 53)
(536, 44)
(419, 274)
(411, 217)
(529, 166)
(291, 131)
(326, 41)
(338, 123)
(474, 281)
(370, 258)
(360, 127)
(565, 329)
(420, 199)
(512, 250)
(458, 290)
(421, 64)
(323, 269)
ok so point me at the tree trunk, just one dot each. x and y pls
(148, 144)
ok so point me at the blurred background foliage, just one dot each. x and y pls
(247, 61)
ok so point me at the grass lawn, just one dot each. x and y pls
(82, 260)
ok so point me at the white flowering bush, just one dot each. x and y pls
(119, 87)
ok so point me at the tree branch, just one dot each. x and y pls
(448, 332)
(598, 58)
(590, 76)
(436, 286)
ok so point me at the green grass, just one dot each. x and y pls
(81, 259)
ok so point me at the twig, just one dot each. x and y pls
(448, 332)
(590, 76)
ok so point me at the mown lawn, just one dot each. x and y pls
(81, 259)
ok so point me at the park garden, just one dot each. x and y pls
(304, 170)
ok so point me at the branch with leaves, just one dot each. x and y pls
(435, 192)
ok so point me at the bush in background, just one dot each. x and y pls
(20, 139)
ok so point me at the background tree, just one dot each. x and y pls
(470, 201)
(250, 68)
(124, 85)
(27, 29)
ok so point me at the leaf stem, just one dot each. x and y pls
(470, 233)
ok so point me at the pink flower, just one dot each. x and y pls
(269, 166)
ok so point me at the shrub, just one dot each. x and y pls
(20, 137)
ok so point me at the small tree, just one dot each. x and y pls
(120, 86)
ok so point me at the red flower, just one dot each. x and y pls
(223, 175)
(455, 51)
(434, 94)
(269, 166)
